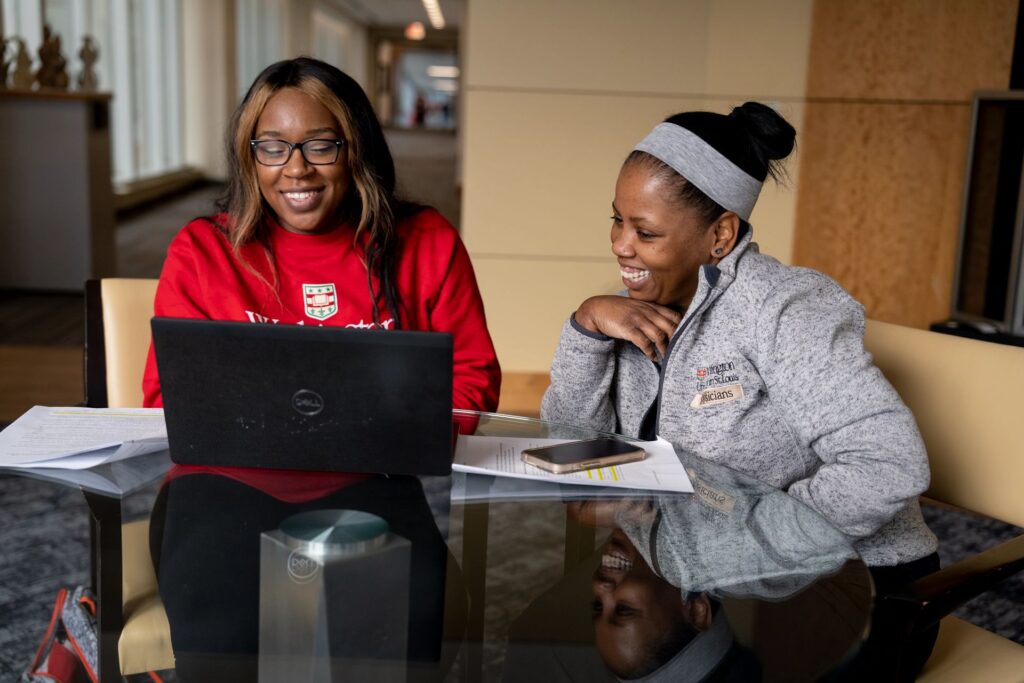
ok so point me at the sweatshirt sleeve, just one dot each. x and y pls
(459, 309)
(760, 545)
(582, 373)
(810, 335)
(178, 295)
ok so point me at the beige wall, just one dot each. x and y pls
(557, 93)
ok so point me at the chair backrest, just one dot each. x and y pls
(118, 311)
(968, 398)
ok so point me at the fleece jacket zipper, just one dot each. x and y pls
(711, 275)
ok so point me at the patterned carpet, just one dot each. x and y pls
(44, 536)
(44, 533)
(961, 535)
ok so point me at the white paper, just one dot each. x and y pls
(79, 438)
(501, 456)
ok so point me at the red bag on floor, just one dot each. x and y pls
(68, 651)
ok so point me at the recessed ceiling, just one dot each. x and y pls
(400, 12)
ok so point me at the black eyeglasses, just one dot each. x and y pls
(278, 152)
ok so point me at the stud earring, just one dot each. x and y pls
(718, 252)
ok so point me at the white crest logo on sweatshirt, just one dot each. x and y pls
(321, 300)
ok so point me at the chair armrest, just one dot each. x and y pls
(94, 358)
(938, 594)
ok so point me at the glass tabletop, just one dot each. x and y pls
(117, 479)
(465, 578)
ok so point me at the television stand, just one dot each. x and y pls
(983, 331)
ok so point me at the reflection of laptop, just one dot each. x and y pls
(312, 398)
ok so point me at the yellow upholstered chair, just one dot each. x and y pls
(966, 397)
(117, 341)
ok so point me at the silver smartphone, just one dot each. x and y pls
(583, 455)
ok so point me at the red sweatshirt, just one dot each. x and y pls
(323, 282)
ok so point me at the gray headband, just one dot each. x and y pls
(704, 166)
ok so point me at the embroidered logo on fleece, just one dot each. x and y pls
(716, 374)
(711, 496)
(717, 395)
(321, 300)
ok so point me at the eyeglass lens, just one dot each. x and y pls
(278, 152)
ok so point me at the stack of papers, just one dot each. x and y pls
(661, 470)
(80, 438)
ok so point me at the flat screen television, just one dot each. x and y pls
(988, 291)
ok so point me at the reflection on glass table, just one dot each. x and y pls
(118, 491)
(735, 582)
(565, 583)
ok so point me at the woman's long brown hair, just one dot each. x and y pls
(372, 208)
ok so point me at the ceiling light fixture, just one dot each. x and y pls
(445, 86)
(415, 31)
(433, 9)
(438, 71)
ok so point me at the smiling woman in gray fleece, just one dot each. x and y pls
(733, 356)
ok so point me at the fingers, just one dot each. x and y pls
(579, 512)
(592, 513)
(651, 333)
(652, 348)
(638, 510)
(612, 513)
(647, 326)
(670, 317)
(595, 309)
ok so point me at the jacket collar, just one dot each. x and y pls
(699, 658)
(726, 268)
(713, 280)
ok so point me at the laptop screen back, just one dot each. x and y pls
(312, 398)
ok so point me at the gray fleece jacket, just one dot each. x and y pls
(767, 374)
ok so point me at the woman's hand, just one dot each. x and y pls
(648, 326)
(609, 514)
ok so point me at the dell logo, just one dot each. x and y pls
(302, 568)
(307, 402)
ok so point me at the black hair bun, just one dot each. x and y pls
(772, 137)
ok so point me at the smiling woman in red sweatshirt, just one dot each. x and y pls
(310, 232)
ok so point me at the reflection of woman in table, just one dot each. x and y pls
(311, 233)
(735, 357)
(645, 629)
(735, 538)
(696, 586)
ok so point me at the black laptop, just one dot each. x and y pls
(312, 398)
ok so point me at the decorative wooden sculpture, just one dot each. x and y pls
(52, 73)
(88, 54)
(23, 77)
(5, 64)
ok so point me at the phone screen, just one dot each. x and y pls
(581, 451)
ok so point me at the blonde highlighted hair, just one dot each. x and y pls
(372, 207)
